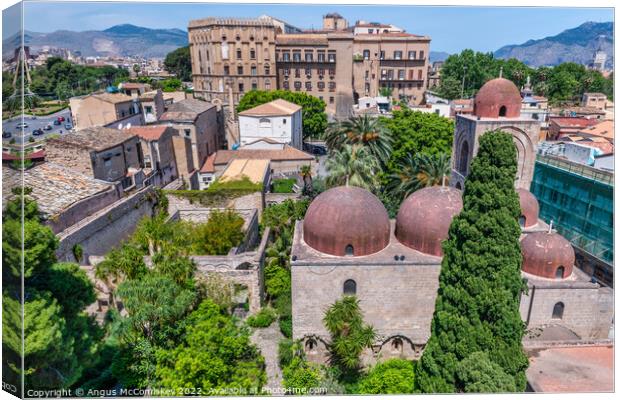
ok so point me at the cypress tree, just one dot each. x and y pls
(477, 306)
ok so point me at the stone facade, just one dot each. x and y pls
(103, 109)
(331, 64)
(396, 297)
(467, 132)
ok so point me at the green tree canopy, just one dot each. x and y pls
(215, 354)
(478, 374)
(477, 306)
(313, 109)
(179, 63)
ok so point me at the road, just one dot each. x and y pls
(10, 125)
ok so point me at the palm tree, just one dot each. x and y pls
(306, 174)
(421, 170)
(353, 166)
(361, 131)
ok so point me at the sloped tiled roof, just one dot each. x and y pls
(95, 138)
(113, 98)
(604, 129)
(186, 110)
(149, 132)
(273, 108)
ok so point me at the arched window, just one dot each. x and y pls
(463, 159)
(397, 345)
(349, 288)
(558, 310)
(502, 111)
(559, 273)
(310, 346)
(522, 221)
(348, 250)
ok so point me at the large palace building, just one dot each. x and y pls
(346, 244)
(338, 63)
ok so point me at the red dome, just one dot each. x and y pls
(425, 216)
(548, 255)
(498, 98)
(529, 208)
(347, 220)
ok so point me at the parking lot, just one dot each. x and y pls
(10, 125)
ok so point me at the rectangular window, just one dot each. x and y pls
(321, 56)
(320, 71)
(410, 74)
(226, 70)
(188, 132)
(240, 87)
(252, 54)
(390, 74)
(421, 55)
(309, 57)
(297, 73)
(253, 70)
(321, 86)
(331, 57)
(382, 55)
(398, 55)
(331, 100)
(240, 70)
(254, 86)
(412, 55)
(332, 71)
(366, 54)
(286, 56)
(308, 85)
(420, 74)
(296, 57)
(238, 54)
(332, 86)
(284, 121)
(401, 74)
(148, 109)
(308, 71)
(297, 85)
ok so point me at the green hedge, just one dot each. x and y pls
(218, 193)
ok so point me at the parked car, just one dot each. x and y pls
(57, 122)
(68, 126)
(22, 125)
(6, 135)
(61, 118)
(47, 127)
(37, 132)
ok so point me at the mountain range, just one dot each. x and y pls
(119, 40)
(572, 45)
(576, 45)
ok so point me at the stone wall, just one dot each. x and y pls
(588, 308)
(247, 202)
(84, 208)
(107, 228)
(277, 198)
(397, 300)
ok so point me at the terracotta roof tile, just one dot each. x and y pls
(222, 157)
(149, 132)
(273, 108)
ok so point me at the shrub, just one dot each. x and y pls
(286, 352)
(286, 326)
(262, 319)
(391, 377)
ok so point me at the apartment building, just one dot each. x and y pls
(338, 63)
(105, 109)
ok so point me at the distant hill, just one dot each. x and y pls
(438, 56)
(119, 40)
(572, 45)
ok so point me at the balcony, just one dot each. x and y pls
(396, 79)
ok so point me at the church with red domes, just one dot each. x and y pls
(347, 245)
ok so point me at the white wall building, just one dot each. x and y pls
(278, 120)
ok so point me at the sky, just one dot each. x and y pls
(451, 29)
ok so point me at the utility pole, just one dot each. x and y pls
(463, 83)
